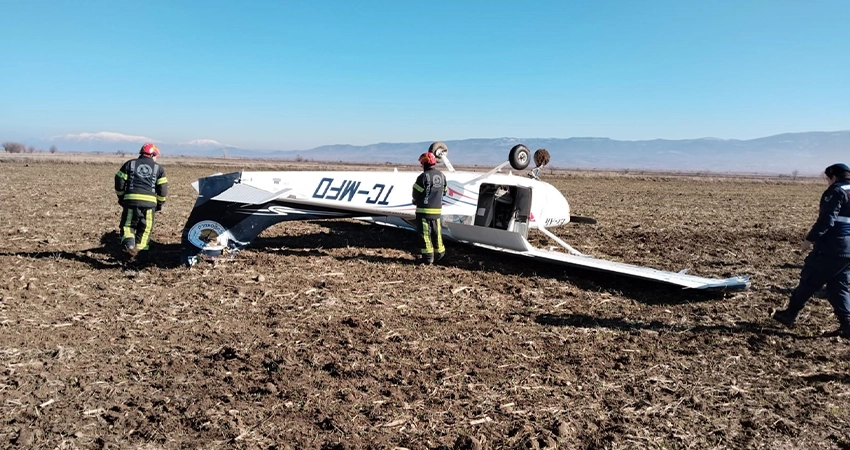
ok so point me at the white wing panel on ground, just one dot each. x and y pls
(647, 273)
(516, 244)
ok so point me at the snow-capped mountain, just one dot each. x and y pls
(790, 153)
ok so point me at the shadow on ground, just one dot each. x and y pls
(338, 234)
(586, 321)
(110, 256)
(344, 234)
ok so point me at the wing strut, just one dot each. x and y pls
(552, 236)
(576, 258)
(448, 163)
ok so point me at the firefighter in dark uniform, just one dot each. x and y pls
(141, 188)
(428, 194)
(829, 260)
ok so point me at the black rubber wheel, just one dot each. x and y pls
(439, 149)
(519, 157)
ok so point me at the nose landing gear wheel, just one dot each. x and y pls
(439, 149)
(519, 157)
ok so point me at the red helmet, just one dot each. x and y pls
(427, 159)
(149, 150)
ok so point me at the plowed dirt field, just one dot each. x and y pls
(325, 335)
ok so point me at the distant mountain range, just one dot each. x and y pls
(801, 153)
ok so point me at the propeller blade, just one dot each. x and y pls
(582, 219)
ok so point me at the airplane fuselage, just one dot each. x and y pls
(373, 193)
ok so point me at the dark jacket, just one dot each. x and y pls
(831, 232)
(141, 183)
(428, 193)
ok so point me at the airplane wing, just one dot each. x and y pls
(515, 244)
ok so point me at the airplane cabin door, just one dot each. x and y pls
(504, 207)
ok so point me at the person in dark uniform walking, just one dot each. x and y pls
(141, 187)
(829, 260)
(428, 191)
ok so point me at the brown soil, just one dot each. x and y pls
(324, 335)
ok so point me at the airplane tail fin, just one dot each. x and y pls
(226, 217)
(229, 215)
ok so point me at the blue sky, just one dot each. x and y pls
(288, 75)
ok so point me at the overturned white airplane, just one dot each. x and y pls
(491, 210)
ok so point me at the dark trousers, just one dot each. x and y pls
(136, 226)
(432, 237)
(834, 272)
